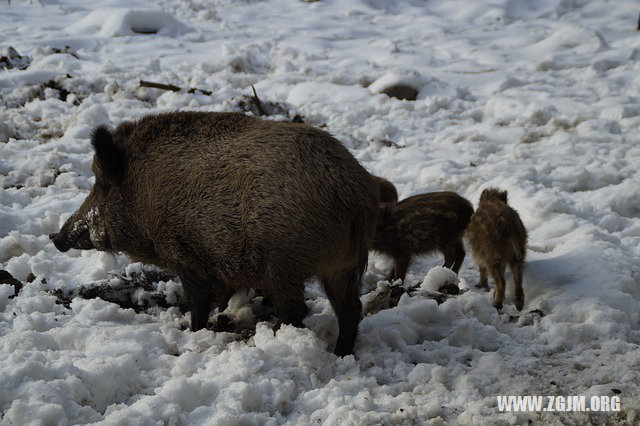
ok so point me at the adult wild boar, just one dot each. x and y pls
(227, 201)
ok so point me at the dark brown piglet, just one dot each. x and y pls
(387, 191)
(422, 224)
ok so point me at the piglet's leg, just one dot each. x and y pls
(454, 256)
(483, 278)
(497, 272)
(517, 268)
(401, 265)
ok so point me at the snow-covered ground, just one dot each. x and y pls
(538, 97)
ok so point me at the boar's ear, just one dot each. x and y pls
(109, 156)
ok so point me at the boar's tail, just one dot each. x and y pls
(361, 239)
(518, 249)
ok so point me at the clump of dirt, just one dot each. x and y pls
(139, 291)
(387, 296)
(7, 278)
(401, 91)
(10, 59)
(449, 288)
(261, 108)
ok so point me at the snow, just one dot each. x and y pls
(536, 97)
(113, 22)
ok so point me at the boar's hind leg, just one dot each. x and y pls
(454, 256)
(200, 297)
(516, 267)
(287, 294)
(343, 291)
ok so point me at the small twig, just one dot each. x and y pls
(258, 103)
(159, 86)
(204, 92)
(171, 87)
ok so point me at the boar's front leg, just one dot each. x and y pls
(200, 296)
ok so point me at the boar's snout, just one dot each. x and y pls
(60, 242)
(79, 238)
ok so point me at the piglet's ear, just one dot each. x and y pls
(109, 156)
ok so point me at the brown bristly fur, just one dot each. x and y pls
(422, 224)
(498, 238)
(387, 190)
(228, 201)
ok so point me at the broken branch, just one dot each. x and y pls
(171, 87)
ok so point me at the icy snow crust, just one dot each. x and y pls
(537, 97)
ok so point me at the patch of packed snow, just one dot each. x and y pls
(113, 22)
(536, 97)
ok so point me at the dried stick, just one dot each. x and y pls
(171, 87)
(261, 110)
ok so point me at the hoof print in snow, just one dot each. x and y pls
(7, 278)
(10, 59)
(401, 91)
